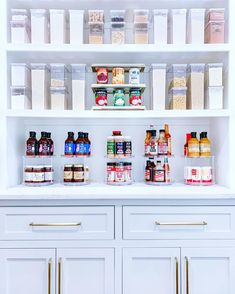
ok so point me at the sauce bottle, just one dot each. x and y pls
(148, 171)
(152, 168)
(87, 144)
(153, 143)
(193, 146)
(166, 168)
(32, 145)
(43, 145)
(159, 174)
(205, 145)
(80, 145)
(147, 142)
(168, 138)
(162, 143)
(188, 137)
(50, 144)
(69, 144)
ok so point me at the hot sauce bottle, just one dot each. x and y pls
(43, 145)
(32, 145)
(168, 138)
(188, 137)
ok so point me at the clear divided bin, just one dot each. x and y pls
(141, 33)
(178, 26)
(20, 74)
(178, 98)
(196, 26)
(78, 86)
(76, 20)
(196, 86)
(160, 26)
(177, 75)
(215, 74)
(39, 26)
(96, 33)
(214, 32)
(215, 98)
(20, 98)
(20, 32)
(59, 98)
(57, 26)
(59, 75)
(158, 81)
(199, 171)
(40, 82)
(118, 33)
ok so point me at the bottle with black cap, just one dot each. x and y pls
(193, 146)
(50, 144)
(43, 145)
(32, 145)
(205, 145)
(69, 144)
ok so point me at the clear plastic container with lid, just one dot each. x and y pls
(141, 16)
(141, 33)
(39, 26)
(20, 74)
(59, 98)
(117, 15)
(196, 26)
(96, 15)
(78, 86)
(215, 74)
(196, 86)
(178, 26)
(214, 32)
(215, 14)
(117, 32)
(20, 98)
(178, 98)
(178, 75)
(158, 86)
(20, 32)
(19, 14)
(57, 26)
(160, 26)
(59, 75)
(76, 21)
(96, 33)
(215, 98)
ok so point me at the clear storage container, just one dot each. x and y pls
(178, 98)
(117, 15)
(20, 98)
(118, 33)
(196, 26)
(214, 32)
(158, 86)
(141, 33)
(215, 98)
(178, 26)
(78, 86)
(178, 75)
(215, 14)
(96, 33)
(57, 26)
(19, 14)
(39, 26)
(215, 74)
(76, 18)
(20, 32)
(141, 16)
(96, 15)
(196, 84)
(59, 75)
(160, 28)
(59, 98)
(40, 81)
(20, 74)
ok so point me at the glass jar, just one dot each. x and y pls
(135, 97)
(119, 97)
(79, 173)
(68, 173)
(101, 97)
(38, 174)
(48, 174)
(28, 175)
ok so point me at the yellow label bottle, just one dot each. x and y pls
(205, 145)
(193, 146)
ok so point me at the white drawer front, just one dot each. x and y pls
(52, 223)
(179, 222)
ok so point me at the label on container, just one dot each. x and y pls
(128, 173)
(68, 176)
(120, 148)
(128, 148)
(80, 148)
(87, 148)
(38, 177)
(147, 175)
(159, 176)
(196, 174)
(120, 174)
(78, 176)
(162, 148)
(205, 148)
(110, 174)
(187, 174)
(49, 176)
(110, 148)
(134, 76)
(31, 149)
(152, 149)
(69, 148)
(206, 175)
(43, 149)
(147, 149)
(28, 177)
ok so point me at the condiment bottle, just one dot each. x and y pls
(32, 145)
(87, 144)
(111, 147)
(69, 144)
(43, 145)
(148, 171)
(127, 146)
(119, 144)
(80, 148)
(205, 145)
(166, 168)
(68, 173)
(153, 143)
(193, 146)
(78, 173)
(188, 137)
(147, 142)
(50, 144)
(162, 143)
(159, 174)
(152, 168)
(168, 138)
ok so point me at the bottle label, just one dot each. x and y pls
(205, 148)
(80, 149)
(39, 177)
(119, 148)
(110, 174)
(153, 149)
(28, 177)
(110, 148)
(69, 148)
(79, 176)
(31, 149)
(68, 175)
(162, 148)
(87, 149)
(159, 176)
(147, 149)
(193, 148)
(43, 149)
(128, 148)
(147, 175)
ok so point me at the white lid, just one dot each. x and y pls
(215, 65)
(38, 166)
(197, 67)
(20, 64)
(179, 11)
(57, 11)
(160, 11)
(158, 66)
(197, 10)
(178, 89)
(58, 66)
(39, 66)
(76, 11)
(19, 11)
(62, 90)
(38, 11)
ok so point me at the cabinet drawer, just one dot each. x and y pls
(52, 223)
(179, 222)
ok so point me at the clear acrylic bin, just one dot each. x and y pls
(196, 26)
(57, 26)
(215, 74)
(215, 98)
(20, 74)
(214, 32)
(76, 20)
(95, 16)
(78, 86)
(158, 86)
(141, 16)
(59, 74)
(20, 98)
(117, 15)
(178, 26)
(160, 28)
(96, 33)
(178, 98)
(59, 98)
(39, 26)
(178, 75)
(118, 33)
(196, 86)
(20, 32)
(141, 33)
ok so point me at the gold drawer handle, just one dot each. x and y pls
(56, 225)
(187, 274)
(181, 223)
(177, 275)
(49, 275)
(59, 275)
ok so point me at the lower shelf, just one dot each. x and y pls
(120, 108)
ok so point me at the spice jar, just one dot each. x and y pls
(48, 169)
(102, 76)
(118, 75)
(68, 173)
(101, 97)
(120, 172)
(134, 76)
(111, 168)
(119, 97)
(28, 175)
(128, 172)
(38, 174)
(78, 173)
(135, 97)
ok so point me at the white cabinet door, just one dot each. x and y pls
(27, 271)
(208, 270)
(85, 271)
(151, 270)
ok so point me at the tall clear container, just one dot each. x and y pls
(178, 98)
(178, 26)
(20, 74)
(96, 33)
(158, 86)
(196, 85)
(20, 98)
(57, 26)
(20, 32)
(215, 74)
(39, 26)
(196, 26)
(160, 26)
(178, 75)
(141, 33)
(59, 74)
(78, 86)
(117, 32)
(76, 20)
(59, 98)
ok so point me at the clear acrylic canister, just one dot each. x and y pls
(117, 32)
(178, 98)
(215, 74)
(158, 86)
(20, 74)
(196, 84)
(214, 32)
(215, 98)
(196, 26)
(78, 86)
(178, 26)
(57, 26)
(178, 75)
(59, 98)
(76, 21)
(59, 75)
(160, 26)
(20, 98)
(96, 33)
(20, 32)
(141, 33)
(39, 26)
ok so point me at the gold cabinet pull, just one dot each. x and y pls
(187, 274)
(59, 275)
(49, 275)
(177, 275)
(55, 225)
(203, 223)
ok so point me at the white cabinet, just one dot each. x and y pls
(208, 270)
(27, 271)
(151, 270)
(85, 271)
